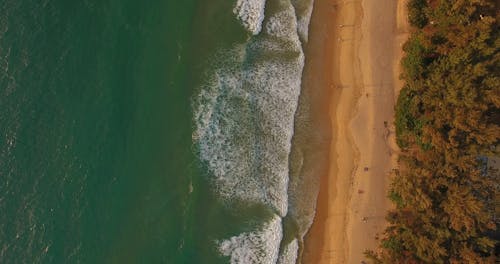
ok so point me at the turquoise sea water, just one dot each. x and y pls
(148, 131)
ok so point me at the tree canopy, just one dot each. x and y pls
(447, 126)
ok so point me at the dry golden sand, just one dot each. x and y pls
(365, 39)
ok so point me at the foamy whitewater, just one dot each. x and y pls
(250, 13)
(255, 247)
(244, 122)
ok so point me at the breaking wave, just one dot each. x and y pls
(260, 246)
(244, 121)
(289, 253)
(250, 13)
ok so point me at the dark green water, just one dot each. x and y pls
(96, 160)
(152, 131)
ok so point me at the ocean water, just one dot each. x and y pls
(150, 132)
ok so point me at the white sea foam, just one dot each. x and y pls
(251, 14)
(244, 120)
(244, 128)
(289, 253)
(283, 24)
(258, 247)
(244, 114)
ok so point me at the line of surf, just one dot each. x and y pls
(244, 116)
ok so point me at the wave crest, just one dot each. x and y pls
(251, 14)
(256, 247)
(244, 113)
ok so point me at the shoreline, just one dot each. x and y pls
(364, 84)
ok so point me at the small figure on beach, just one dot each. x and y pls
(366, 169)
(364, 219)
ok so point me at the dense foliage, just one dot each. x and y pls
(447, 126)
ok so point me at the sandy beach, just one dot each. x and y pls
(364, 41)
